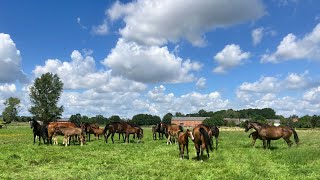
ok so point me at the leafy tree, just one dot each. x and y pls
(145, 119)
(114, 118)
(179, 114)
(76, 119)
(11, 110)
(216, 120)
(167, 118)
(44, 96)
(100, 119)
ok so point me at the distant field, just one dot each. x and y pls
(235, 158)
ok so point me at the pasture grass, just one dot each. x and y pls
(235, 158)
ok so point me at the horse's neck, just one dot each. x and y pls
(256, 126)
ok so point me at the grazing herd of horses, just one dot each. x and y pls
(202, 135)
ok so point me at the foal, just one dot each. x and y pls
(255, 136)
(184, 141)
(97, 132)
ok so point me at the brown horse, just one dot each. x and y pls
(135, 130)
(114, 127)
(172, 132)
(68, 132)
(88, 128)
(154, 132)
(97, 132)
(213, 131)
(53, 125)
(272, 133)
(184, 141)
(255, 136)
(201, 141)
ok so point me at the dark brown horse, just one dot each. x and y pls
(255, 136)
(172, 132)
(88, 128)
(213, 131)
(273, 133)
(114, 127)
(160, 128)
(154, 132)
(53, 125)
(135, 130)
(40, 130)
(201, 140)
(184, 141)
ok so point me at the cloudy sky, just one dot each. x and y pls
(148, 56)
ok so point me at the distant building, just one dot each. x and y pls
(63, 119)
(188, 121)
(194, 121)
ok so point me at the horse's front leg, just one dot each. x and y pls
(34, 138)
(264, 143)
(182, 152)
(168, 140)
(268, 143)
(187, 151)
(39, 139)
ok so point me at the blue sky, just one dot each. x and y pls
(146, 56)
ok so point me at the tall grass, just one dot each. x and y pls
(235, 158)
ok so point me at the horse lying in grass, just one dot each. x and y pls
(184, 141)
(68, 132)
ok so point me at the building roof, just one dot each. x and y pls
(188, 118)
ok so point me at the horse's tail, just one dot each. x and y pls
(206, 138)
(180, 128)
(296, 138)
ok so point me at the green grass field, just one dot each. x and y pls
(235, 158)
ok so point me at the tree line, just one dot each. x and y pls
(46, 91)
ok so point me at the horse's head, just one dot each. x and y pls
(247, 126)
(190, 134)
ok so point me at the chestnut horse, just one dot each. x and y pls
(201, 140)
(272, 133)
(184, 141)
(53, 125)
(172, 132)
(68, 132)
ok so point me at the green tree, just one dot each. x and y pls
(167, 118)
(44, 96)
(76, 119)
(114, 118)
(11, 110)
(216, 120)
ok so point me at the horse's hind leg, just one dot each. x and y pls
(288, 141)
(187, 151)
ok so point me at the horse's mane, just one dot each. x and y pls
(261, 124)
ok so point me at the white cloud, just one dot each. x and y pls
(201, 83)
(229, 57)
(257, 35)
(149, 63)
(81, 73)
(101, 29)
(147, 21)
(272, 85)
(10, 61)
(293, 48)
(312, 95)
